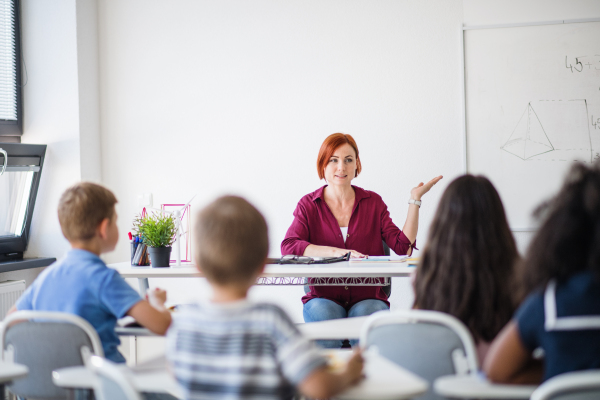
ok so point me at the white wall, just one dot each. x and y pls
(50, 96)
(236, 97)
(184, 86)
(486, 12)
(60, 102)
(51, 112)
(89, 90)
(60, 106)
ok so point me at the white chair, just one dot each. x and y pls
(113, 383)
(428, 343)
(580, 385)
(45, 341)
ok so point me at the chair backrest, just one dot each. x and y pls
(580, 385)
(428, 343)
(45, 341)
(112, 382)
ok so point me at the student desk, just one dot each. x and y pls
(477, 387)
(383, 379)
(152, 380)
(341, 274)
(9, 372)
(331, 329)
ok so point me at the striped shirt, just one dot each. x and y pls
(239, 350)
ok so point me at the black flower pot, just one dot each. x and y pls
(159, 256)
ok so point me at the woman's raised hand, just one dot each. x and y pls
(417, 192)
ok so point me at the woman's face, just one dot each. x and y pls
(341, 168)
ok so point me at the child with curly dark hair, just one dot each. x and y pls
(561, 275)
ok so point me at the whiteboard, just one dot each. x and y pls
(532, 108)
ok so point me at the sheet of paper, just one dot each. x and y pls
(394, 258)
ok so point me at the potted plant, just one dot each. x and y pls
(157, 231)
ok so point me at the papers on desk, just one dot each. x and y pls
(411, 261)
(125, 321)
(393, 258)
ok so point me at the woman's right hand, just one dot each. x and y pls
(336, 252)
(313, 250)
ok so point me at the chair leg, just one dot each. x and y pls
(7, 394)
(80, 394)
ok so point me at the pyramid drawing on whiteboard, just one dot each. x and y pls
(529, 138)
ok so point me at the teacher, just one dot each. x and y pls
(339, 218)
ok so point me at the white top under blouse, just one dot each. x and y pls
(344, 232)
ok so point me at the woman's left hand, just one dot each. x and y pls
(417, 192)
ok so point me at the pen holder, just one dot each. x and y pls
(139, 254)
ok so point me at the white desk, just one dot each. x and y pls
(282, 274)
(332, 329)
(343, 328)
(383, 380)
(10, 371)
(151, 381)
(476, 387)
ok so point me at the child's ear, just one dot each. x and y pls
(103, 228)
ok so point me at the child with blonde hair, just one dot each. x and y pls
(231, 347)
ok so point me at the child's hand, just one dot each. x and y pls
(355, 366)
(157, 297)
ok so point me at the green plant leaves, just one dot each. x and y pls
(157, 229)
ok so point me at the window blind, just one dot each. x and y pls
(8, 62)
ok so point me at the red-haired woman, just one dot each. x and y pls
(339, 218)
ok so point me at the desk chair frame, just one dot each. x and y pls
(464, 363)
(577, 385)
(108, 371)
(38, 384)
(430, 344)
(20, 316)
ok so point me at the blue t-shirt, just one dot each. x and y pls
(83, 285)
(566, 349)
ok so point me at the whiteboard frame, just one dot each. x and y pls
(464, 80)
(520, 24)
(463, 103)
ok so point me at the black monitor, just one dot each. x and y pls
(20, 170)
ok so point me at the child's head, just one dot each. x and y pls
(86, 212)
(568, 240)
(231, 241)
(469, 260)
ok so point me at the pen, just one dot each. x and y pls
(132, 245)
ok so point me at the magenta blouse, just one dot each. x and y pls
(370, 223)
